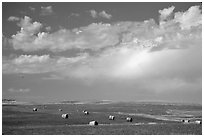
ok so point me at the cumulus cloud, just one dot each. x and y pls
(12, 90)
(130, 59)
(94, 36)
(31, 59)
(97, 36)
(45, 11)
(166, 13)
(102, 14)
(27, 33)
(105, 15)
(13, 18)
(32, 64)
(192, 17)
(122, 50)
(185, 20)
(93, 13)
(28, 64)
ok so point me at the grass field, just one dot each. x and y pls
(148, 119)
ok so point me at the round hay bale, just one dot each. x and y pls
(111, 117)
(65, 116)
(129, 119)
(93, 123)
(35, 109)
(198, 122)
(86, 112)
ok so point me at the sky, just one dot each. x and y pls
(102, 51)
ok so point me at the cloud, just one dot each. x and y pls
(74, 15)
(27, 33)
(32, 8)
(102, 14)
(32, 64)
(5, 42)
(192, 17)
(53, 77)
(93, 13)
(48, 28)
(31, 59)
(45, 11)
(185, 20)
(97, 36)
(166, 13)
(94, 36)
(105, 15)
(118, 51)
(129, 60)
(27, 64)
(19, 90)
(13, 18)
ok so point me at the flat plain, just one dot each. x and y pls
(148, 119)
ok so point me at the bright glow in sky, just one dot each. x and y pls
(99, 51)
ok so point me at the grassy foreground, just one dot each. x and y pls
(19, 120)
